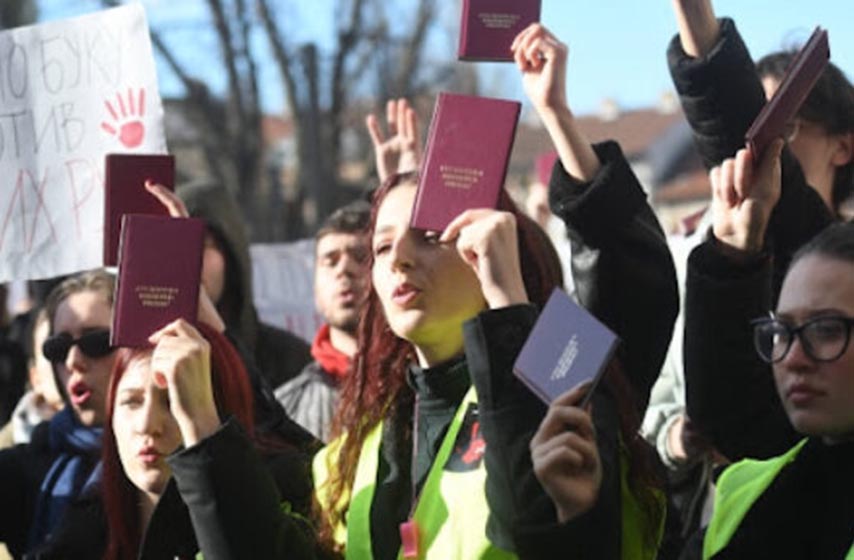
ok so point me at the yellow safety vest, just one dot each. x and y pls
(737, 489)
(452, 510)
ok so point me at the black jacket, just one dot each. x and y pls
(23, 472)
(730, 394)
(621, 264)
(280, 355)
(224, 500)
(522, 517)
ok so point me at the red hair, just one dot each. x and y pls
(233, 397)
(376, 384)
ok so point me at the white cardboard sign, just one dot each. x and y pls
(71, 92)
(283, 286)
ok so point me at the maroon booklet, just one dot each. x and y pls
(801, 76)
(567, 346)
(465, 163)
(488, 27)
(124, 193)
(160, 265)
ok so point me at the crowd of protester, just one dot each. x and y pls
(724, 427)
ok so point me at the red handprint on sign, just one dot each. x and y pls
(127, 121)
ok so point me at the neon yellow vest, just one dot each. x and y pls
(452, 510)
(737, 490)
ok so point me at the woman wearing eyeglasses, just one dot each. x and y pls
(798, 503)
(39, 480)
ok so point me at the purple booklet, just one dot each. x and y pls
(567, 346)
(801, 76)
(160, 265)
(488, 27)
(465, 164)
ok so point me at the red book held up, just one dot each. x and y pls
(125, 193)
(465, 164)
(488, 27)
(567, 346)
(801, 75)
(160, 265)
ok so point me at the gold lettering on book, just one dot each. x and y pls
(493, 20)
(156, 296)
(456, 177)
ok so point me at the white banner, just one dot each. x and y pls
(283, 286)
(71, 91)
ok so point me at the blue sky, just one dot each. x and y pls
(616, 46)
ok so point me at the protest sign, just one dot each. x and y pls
(283, 286)
(71, 91)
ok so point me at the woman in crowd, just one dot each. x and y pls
(799, 503)
(432, 415)
(819, 150)
(180, 472)
(40, 479)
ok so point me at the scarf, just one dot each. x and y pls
(77, 449)
(332, 360)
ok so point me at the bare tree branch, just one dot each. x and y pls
(410, 59)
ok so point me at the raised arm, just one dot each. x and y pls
(730, 392)
(621, 265)
(397, 150)
(698, 26)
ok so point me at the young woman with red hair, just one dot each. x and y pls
(430, 456)
(181, 474)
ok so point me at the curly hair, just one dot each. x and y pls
(375, 388)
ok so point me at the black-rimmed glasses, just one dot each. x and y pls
(824, 339)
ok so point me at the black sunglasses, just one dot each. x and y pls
(93, 344)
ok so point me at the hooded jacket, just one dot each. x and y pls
(279, 355)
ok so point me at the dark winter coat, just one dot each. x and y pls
(730, 393)
(279, 355)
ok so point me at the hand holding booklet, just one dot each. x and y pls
(160, 264)
(465, 163)
(802, 74)
(125, 193)
(567, 346)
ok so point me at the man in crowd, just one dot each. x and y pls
(339, 291)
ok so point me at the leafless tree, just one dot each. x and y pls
(322, 83)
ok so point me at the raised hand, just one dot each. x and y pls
(541, 58)
(401, 150)
(177, 209)
(565, 457)
(743, 196)
(486, 239)
(175, 206)
(698, 26)
(181, 365)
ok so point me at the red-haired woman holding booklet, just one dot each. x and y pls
(184, 471)
(433, 453)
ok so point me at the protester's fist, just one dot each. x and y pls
(181, 365)
(743, 197)
(400, 151)
(565, 457)
(486, 239)
(542, 60)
